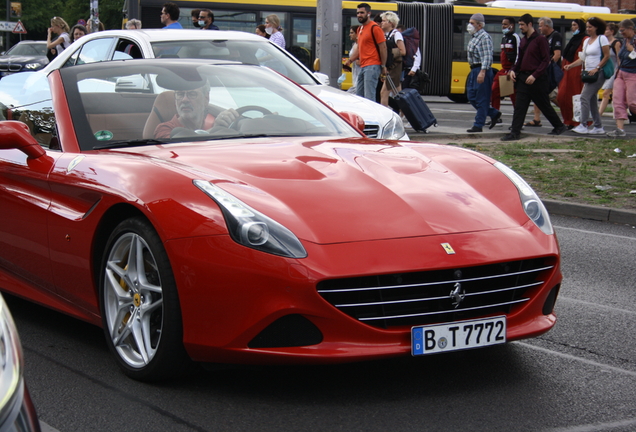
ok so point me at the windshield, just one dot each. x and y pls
(249, 52)
(23, 49)
(141, 102)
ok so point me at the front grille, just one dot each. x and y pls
(15, 67)
(371, 130)
(4, 68)
(409, 299)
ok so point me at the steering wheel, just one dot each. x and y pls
(245, 109)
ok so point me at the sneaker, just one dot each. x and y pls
(597, 131)
(616, 133)
(474, 129)
(580, 129)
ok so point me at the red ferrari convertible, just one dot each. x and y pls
(212, 211)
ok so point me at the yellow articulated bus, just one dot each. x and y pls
(442, 27)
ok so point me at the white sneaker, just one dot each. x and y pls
(616, 133)
(580, 129)
(597, 131)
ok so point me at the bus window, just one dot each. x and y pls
(301, 45)
(235, 20)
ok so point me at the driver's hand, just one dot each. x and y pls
(226, 118)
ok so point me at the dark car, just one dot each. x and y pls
(24, 56)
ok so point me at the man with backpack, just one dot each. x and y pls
(371, 52)
(412, 61)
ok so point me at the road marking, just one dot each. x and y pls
(595, 427)
(580, 359)
(594, 232)
(569, 299)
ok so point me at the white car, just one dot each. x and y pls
(380, 122)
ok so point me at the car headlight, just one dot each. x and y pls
(394, 129)
(32, 66)
(531, 203)
(251, 228)
(11, 361)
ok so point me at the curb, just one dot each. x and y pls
(591, 212)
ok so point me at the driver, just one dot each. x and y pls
(192, 115)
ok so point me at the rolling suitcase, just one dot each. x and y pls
(414, 108)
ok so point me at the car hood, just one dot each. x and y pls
(340, 101)
(352, 190)
(23, 59)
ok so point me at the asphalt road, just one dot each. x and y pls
(579, 377)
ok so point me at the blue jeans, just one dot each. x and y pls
(479, 96)
(368, 81)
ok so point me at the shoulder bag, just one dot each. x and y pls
(608, 68)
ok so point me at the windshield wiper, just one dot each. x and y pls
(131, 143)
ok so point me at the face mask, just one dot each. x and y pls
(196, 24)
(575, 33)
(269, 30)
(470, 28)
(201, 23)
(505, 31)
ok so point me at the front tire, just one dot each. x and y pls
(139, 303)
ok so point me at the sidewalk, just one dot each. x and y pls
(445, 134)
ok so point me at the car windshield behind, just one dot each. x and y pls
(137, 102)
(249, 52)
(28, 49)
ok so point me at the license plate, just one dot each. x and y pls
(458, 335)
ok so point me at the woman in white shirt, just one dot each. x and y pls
(595, 55)
(63, 40)
(272, 27)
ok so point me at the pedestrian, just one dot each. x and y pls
(479, 85)
(170, 16)
(274, 30)
(555, 40)
(395, 43)
(206, 20)
(355, 65)
(194, 16)
(595, 55)
(261, 31)
(625, 82)
(94, 25)
(615, 47)
(77, 31)
(531, 80)
(371, 53)
(571, 83)
(63, 39)
(509, 53)
(133, 24)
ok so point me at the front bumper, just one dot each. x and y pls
(230, 296)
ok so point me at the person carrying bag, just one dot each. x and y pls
(595, 57)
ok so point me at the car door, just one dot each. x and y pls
(25, 196)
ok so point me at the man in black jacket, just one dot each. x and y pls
(531, 79)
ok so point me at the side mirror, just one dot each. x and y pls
(16, 135)
(323, 78)
(353, 119)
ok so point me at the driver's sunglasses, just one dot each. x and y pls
(192, 94)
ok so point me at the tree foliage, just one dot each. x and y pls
(37, 14)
